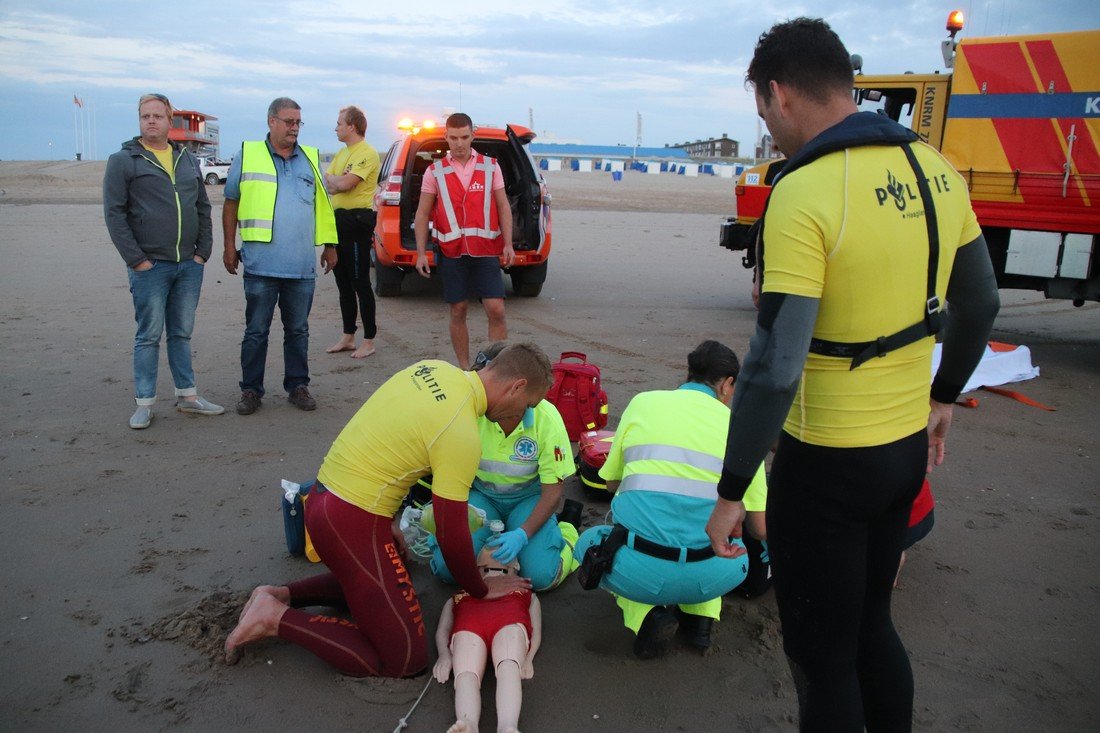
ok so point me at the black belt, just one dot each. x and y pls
(862, 351)
(644, 546)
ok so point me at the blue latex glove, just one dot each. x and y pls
(510, 543)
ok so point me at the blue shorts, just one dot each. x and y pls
(468, 277)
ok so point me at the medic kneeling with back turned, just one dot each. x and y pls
(665, 462)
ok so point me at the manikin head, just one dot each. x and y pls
(491, 566)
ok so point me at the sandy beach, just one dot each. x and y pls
(130, 552)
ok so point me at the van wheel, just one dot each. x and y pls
(212, 179)
(387, 280)
(527, 281)
(528, 290)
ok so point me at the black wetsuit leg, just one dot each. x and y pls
(837, 520)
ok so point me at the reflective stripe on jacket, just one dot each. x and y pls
(672, 442)
(504, 477)
(259, 188)
(675, 470)
(464, 220)
(536, 452)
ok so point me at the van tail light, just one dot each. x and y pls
(391, 191)
(738, 190)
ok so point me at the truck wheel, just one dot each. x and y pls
(212, 179)
(387, 280)
(527, 281)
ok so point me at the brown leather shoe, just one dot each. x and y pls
(302, 399)
(249, 403)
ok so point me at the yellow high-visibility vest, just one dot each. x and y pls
(259, 187)
(530, 456)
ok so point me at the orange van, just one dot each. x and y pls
(399, 194)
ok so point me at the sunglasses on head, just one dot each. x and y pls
(153, 95)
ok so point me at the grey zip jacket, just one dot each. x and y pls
(149, 217)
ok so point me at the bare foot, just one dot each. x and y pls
(459, 727)
(345, 344)
(259, 622)
(364, 351)
(280, 592)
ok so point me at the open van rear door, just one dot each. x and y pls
(529, 191)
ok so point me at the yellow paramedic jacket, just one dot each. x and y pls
(531, 455)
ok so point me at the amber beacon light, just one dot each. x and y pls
(955, 21)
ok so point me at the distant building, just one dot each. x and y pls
(196, 131)
(585, 158)
(603, 152)
(719, 147)
(766, 148)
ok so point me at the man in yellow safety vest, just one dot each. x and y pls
(275, 193)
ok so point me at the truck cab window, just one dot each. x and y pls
(897, 104)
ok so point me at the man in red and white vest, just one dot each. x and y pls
(462, 196)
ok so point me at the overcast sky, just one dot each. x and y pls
(584, 70)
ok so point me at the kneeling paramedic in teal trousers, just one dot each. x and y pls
(519, 481)
(665, 460)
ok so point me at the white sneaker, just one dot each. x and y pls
(141, 418)
(199, 406)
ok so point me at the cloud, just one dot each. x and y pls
(53, 49)
(584, 68)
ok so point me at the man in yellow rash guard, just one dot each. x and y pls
(422, 420)
(519, 481)
(867, 230)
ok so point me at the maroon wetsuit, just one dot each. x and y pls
(369, 578)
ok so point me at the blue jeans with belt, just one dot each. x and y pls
(295, 299)
(165, 298)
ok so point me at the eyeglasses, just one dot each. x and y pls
(502, 571)
(291, 123)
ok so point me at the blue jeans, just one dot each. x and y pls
(165, 298)
(295, 298)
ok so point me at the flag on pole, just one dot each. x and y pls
(78, 102)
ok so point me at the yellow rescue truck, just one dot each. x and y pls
(1019, 118)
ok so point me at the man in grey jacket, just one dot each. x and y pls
(158, 216)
